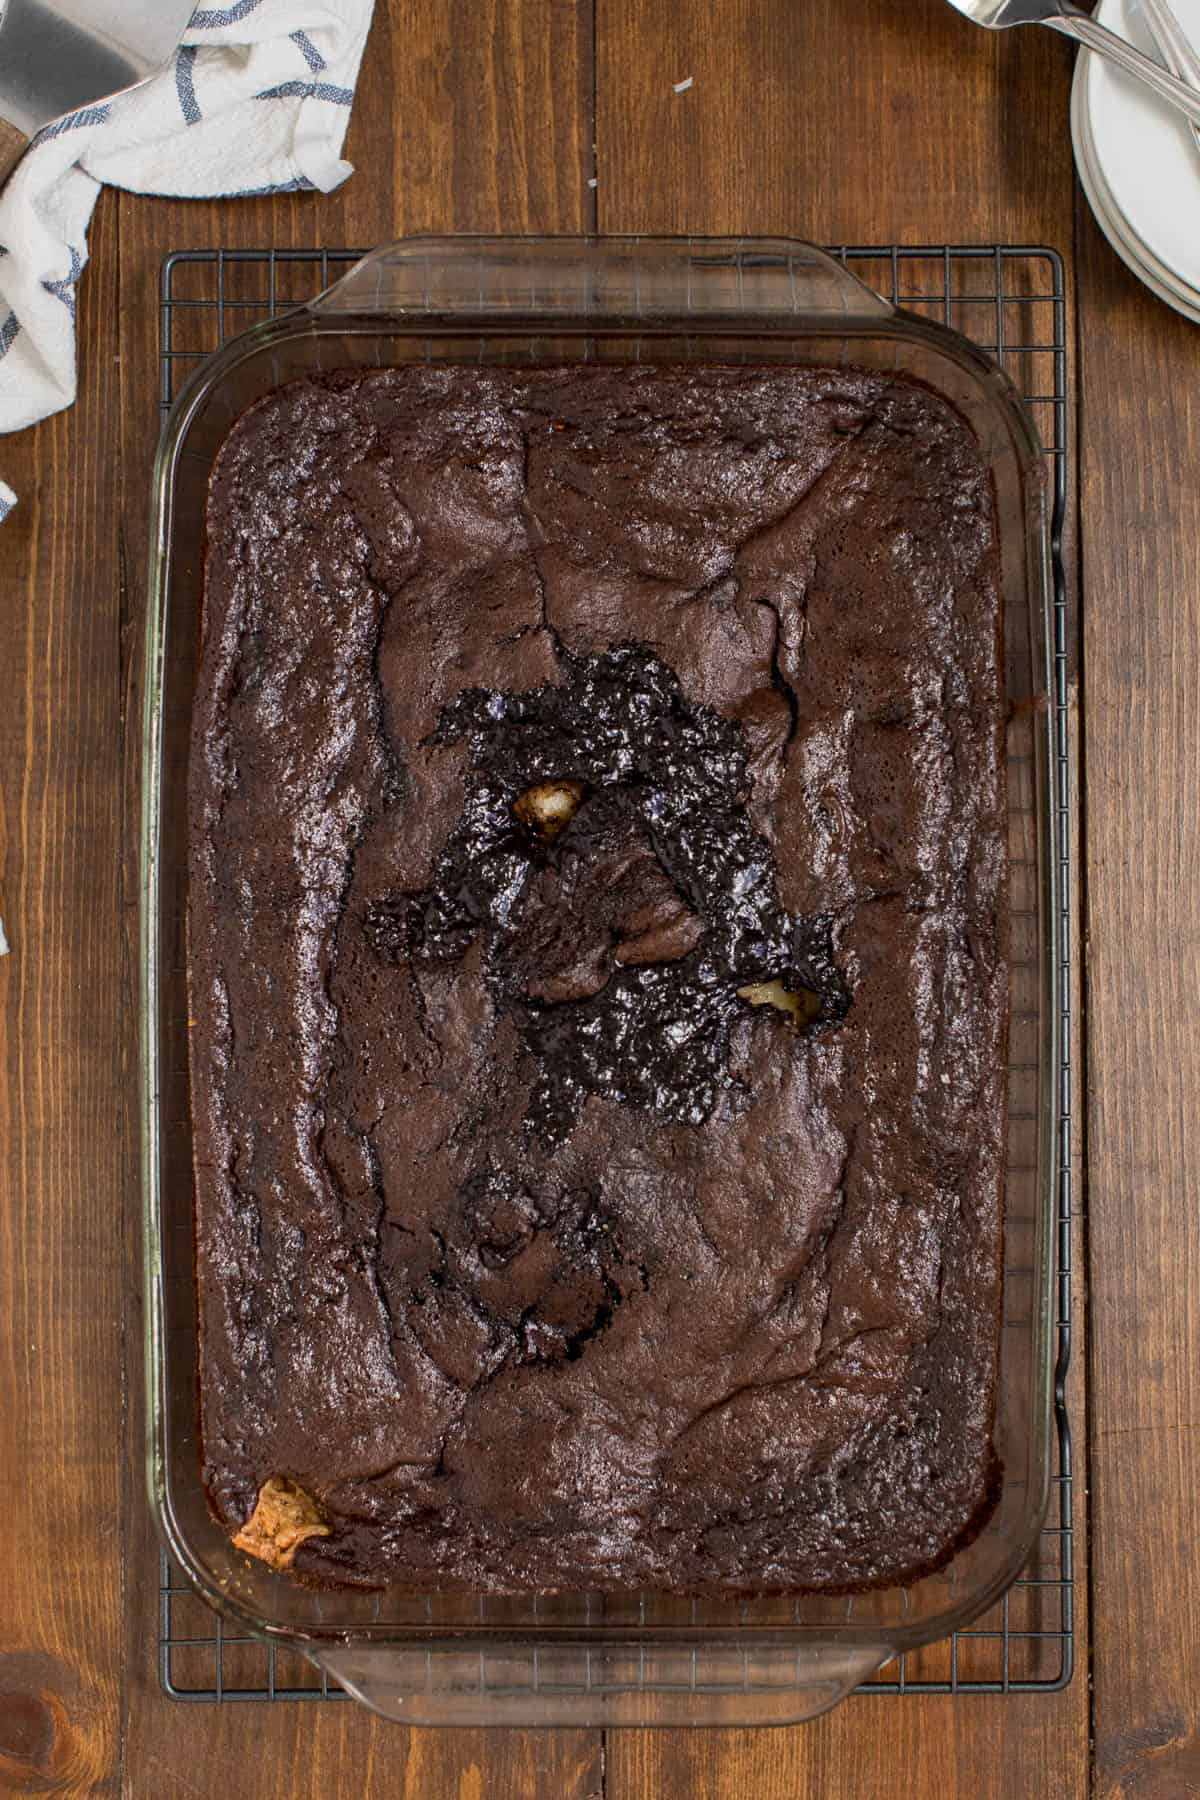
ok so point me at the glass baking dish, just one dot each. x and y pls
(603, 1659)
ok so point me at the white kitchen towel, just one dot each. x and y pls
(256, 101)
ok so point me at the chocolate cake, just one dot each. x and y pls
(598, 982)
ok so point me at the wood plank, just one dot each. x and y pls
(62, 1062)
(900, 124)
(1141, 513)
(471, 115)
(871, 122)
(490, 116)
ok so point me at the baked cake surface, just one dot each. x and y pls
(597, 882)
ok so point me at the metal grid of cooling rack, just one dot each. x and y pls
(1010, 300)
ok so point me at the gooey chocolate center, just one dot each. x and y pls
(606, 857)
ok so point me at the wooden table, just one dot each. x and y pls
(867, 120)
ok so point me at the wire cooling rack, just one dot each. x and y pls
(1009, 299)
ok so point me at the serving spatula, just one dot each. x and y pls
(1062, 16)
(58, 56)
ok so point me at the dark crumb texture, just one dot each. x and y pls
(610, 1199)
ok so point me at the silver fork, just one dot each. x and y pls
(1063, 16)
(1175, 45)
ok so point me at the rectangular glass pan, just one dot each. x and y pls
(644, 1658)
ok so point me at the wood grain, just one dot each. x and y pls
(1141, 400)
(867, 121)
(13, 145)
(491, 125)
(62, 1054)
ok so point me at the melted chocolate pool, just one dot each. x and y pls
(621, 942)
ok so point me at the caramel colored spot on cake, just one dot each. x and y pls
(799, 1008)
(549, 806)
(284, 1517)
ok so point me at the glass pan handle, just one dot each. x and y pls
(619, 282)
(606, 1684)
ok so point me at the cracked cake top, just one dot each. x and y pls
(597, 972)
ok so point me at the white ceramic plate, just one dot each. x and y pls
(1139, 163)
(1132, 252)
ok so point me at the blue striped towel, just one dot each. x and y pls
(256, 101)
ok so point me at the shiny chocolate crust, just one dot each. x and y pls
(598, 976)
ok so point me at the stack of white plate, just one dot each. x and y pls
(1139, 162)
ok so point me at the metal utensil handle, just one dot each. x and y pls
(1177, 47)
(1106, 43)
